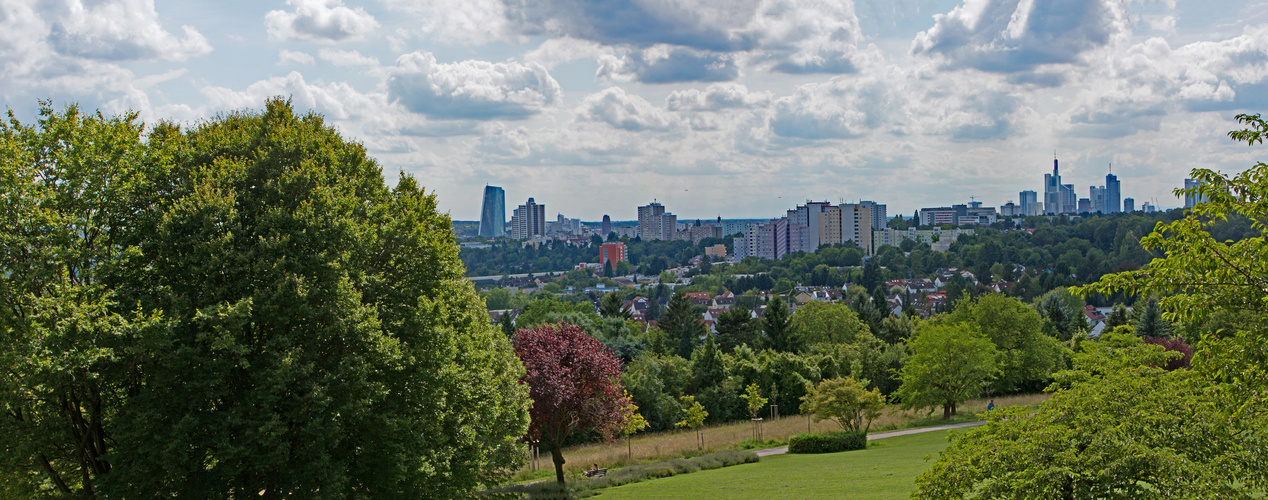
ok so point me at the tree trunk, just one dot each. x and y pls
(946, 411)
(557, 455)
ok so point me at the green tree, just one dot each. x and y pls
(693, 415)
(610, 306)
(775, 324)
(1149, 322)
(497, 299)
(634, 422)
(1121, 427)
(507, 325)
(845, 400)
(682, 325)
(826, 323)
(754, 400)
(1026, 356)
(541, 310)
(241, 309)
(736, 327)
(706, 366)
(949, 364)
(1118, 316)
(871, 275)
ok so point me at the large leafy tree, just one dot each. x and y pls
(241, 309)
(737, 327)
(949, 364)
(574, 382)
(845, 400)
(1121, 424)
(1026, 356)
(827, 323)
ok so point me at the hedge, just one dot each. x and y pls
(831, 442)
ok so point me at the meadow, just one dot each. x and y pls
(658, 446)
(886, 470)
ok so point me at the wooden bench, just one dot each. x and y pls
(595, 472)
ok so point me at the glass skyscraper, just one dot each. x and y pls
(1112, 194)
(493, 213)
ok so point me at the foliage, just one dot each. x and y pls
(1149, 320)
(634, 421)
(706, 365)
(682, 325)
(573, 381)
(632, 474)
(949, 363)
(1174, 344)
(240, 309)
(655, 382)
(1062, 314)
(775, 324)
(822, 322)
(1026, 356)
(1120, 427)
(845, 400)
(753, 399)
(540, 311)
(831, 442)
(736, 327)
(693, 415)
(610, 306)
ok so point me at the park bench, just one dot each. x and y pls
(595, 472)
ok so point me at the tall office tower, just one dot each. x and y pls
(1085, 205)
(1069, 200)
(493, 213)
(529, 221)
(1129, 204)
(606, 227)
(1097, 198)
(1112, 194)
(1030, 203)
(1052, 200)
(879, 219)
(1190, 200)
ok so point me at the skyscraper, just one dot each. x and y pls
(1190, 200)
(1097, 198)
(1129, 204)
(1053, 202)
(1112, 194)
(493, 213)
(1030, 203)
(879, 219)
(606, 228)
(529, 221)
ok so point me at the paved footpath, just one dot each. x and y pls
(882, 435)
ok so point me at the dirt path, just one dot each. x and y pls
(882, 435)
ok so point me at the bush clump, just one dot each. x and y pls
(625, 475)
(831, 442)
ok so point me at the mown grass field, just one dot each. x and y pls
(886, 470)
(658, 446)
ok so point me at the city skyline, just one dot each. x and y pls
(741, 109)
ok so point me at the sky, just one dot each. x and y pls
(737, 108)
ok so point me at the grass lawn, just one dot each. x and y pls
(886, 469)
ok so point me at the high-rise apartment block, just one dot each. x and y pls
(613, 253)
(528, 221)
(879, 219)
(493, 213)
(654, 223)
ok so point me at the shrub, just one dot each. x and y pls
(831, 442)
(626, 475)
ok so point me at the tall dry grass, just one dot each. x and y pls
(682, 443)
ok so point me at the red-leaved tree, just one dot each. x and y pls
(574, 382)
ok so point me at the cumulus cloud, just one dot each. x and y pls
(1151, 80)
(1006, 36)
(291, 56)
(346, 58)
(624, 111)
(455, 21)
(567, 49)
(503, 141)
(716, 97)
(478, 90)
(841, 108)
(668, 64)
(692, 40)
(319, 21)
(127, 30)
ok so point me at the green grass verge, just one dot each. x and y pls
(887, 469)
